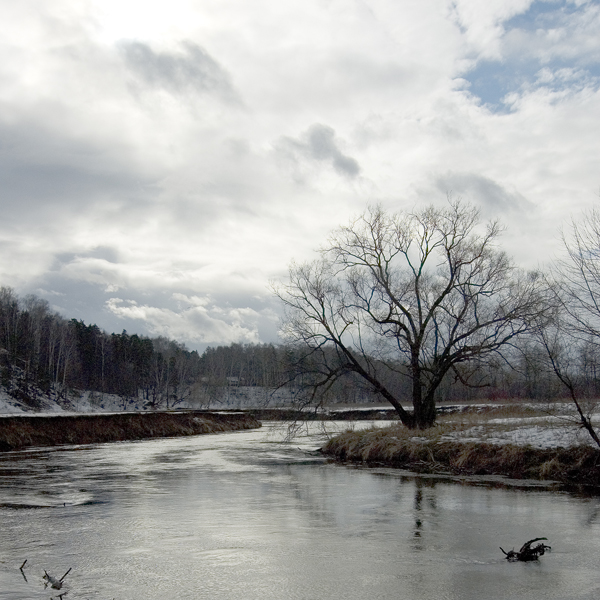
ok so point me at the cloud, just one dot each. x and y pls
(491, 196)
(47, 167)
(197, 320)
(189, 69)
(482, 23)
(319, 144)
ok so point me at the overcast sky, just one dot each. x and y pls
(162, 161)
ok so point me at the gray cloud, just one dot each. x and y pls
(492, 197)
(106, 253)
(45, 172)
(191, 69)
(319, 143)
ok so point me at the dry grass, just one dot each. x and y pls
(516, 410)
(20, 432)
(438, 450)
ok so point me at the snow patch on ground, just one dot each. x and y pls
(552, 434)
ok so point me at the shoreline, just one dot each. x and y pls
(19, 432)
(577, 465)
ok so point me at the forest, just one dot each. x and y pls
(43, 353)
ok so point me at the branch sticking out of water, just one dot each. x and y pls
(527, 552)
(23, 572)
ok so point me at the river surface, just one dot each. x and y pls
(242, 516)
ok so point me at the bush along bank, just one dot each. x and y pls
(26, 431)
(385, 447)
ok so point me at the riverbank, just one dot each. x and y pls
(331, 414)
(433, 452)
(17, 432)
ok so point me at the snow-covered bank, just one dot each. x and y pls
(233, 397)
(539, 425)
(76, 402)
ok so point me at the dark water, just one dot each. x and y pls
(237, 516)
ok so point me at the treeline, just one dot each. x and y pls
(44, 354)
(41, 352)
(520, 372)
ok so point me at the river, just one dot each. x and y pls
(240, 516)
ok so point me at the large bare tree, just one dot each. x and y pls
(418, 295)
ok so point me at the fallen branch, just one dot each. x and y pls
(55, 583)
(527, 552)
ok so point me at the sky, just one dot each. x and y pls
(162, 163)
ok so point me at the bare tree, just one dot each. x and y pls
(571, 338)
(577, 276)
(564, 356)
(418, 295)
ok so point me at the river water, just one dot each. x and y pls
(242, 516)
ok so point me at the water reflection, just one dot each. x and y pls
(238, 516)
(424, 508)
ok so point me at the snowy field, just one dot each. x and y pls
(522, 432)
(553, 425)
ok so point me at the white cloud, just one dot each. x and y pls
(483, 23)
(200, 322)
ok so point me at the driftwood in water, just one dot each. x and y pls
(55, 583)
(527, 551)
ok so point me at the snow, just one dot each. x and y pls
(84, 402)
(536, 436)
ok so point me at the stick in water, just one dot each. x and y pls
(54, 583)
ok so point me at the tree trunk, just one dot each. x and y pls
(423, 407)
(425, 417)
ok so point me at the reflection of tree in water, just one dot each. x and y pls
(424, 505)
